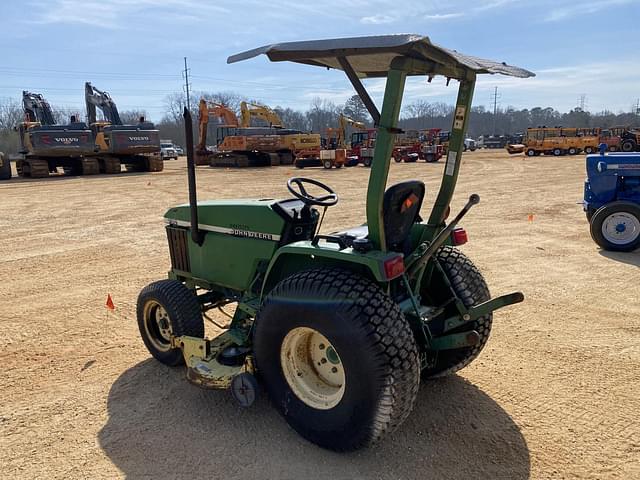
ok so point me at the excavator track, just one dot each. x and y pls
(33, 168)
(110, 165)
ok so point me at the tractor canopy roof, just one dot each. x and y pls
(374, 56)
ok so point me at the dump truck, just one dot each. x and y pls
(137, 147)
(46, 146)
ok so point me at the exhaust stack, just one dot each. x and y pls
(197, 235)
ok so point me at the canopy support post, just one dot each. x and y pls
(359, 87)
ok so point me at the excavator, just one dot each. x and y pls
(45, 146)
(249, 110)
(235, 146)
(238, 144)
(336, 137)
(294, 144)
(137, 147)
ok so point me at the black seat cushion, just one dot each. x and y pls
(400, 210)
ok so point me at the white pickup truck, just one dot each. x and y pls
(167, 150)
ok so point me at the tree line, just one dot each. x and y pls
(322, 114)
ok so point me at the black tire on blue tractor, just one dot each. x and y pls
(471, 287)
(167, 308)
(628, 215)
(373, 347)
(628, 145)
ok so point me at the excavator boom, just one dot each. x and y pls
(248, 110)
(216, 110)
(97, 98)
(37, 109)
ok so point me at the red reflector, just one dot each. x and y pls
(394, 267)
(459, 236)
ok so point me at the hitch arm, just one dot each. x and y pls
(483, 309)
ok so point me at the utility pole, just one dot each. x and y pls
(187, 85)
(495, 96)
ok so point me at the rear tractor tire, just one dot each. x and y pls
(470, 286)
(168, 308)
(616, 226)
(337, 357)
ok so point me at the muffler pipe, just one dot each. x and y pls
(197, 235)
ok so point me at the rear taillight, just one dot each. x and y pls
(394, 267)
(459, 236)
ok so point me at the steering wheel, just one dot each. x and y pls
(328, 200)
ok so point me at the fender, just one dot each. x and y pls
(304, 256)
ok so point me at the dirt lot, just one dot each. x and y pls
(556, 393)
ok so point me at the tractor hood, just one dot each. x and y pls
(241, 218)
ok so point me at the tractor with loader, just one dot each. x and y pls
(46, 146)
(339, 328)
(612, 199)
(137, 147)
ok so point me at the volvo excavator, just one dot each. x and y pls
(137, 147)
(45, 146)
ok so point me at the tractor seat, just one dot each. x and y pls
(400, 210)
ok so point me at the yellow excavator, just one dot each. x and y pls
(250, 110)
(235, 146)
(341, 131)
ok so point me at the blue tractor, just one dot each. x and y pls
(612, 199)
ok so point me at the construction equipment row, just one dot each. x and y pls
(79, 148)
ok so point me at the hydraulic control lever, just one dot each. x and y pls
(437, 242)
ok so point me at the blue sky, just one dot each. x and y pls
(135, 49)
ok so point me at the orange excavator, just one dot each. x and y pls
(235, 147)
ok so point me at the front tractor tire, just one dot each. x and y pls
(168, 308)
(337, 358)
(471, 288)
(616, 226)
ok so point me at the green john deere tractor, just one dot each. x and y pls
(338, 328)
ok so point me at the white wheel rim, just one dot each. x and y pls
(621, 228)
(312, 367)
(157, 325)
